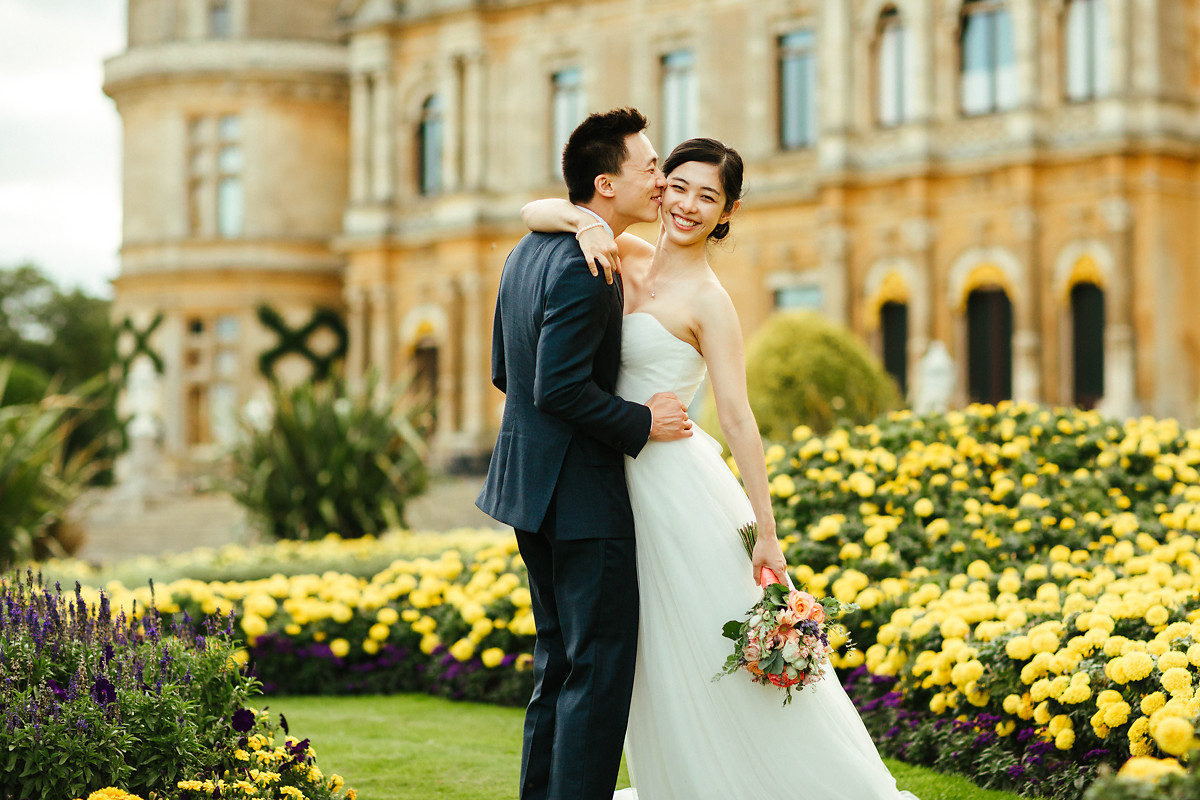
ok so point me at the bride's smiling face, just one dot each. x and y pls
(694, 202)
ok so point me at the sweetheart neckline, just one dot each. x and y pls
(666, 330)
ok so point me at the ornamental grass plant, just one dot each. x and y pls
(39, 476)
(98, 698)
(331, 460)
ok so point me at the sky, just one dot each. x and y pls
(60, 140)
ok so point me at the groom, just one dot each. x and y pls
(557, 473)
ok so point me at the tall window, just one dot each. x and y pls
(797, 90)
(892, 101)
(568, 112)
(230, 162)
(989, 70)
(429, 146)
(679, 98)
(893, 322)
(1088, 68)
(989, 346)
(215, 166)
(220, 21)
(1087, 323)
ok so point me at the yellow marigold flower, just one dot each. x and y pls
(1152, 702)
(1036, 572)
(1175, 735)
(520, 597)
(938, 528)
(1138, 665)
(1116, 714)
(1172, 659)
(1146, 768)
(370, 646)
(1041, 713)
(340, 647)
(782, 486)
(1044, 642)
(923, 507)
(1010, 581)
(1065, 739)
(462, 649)
(389, 616)
(425, 625)
(410, 615)
(850, 551)
(1177, 681)
(1011, 703)
(1076, 693)
(1005, 728)
(379, 632)
(429, 643)
(954, 628)
(1157, 615)
(979, 570)
(492, 657)
(1193, 654)
(241, 755)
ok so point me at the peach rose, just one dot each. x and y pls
(801, 603)
(817, 614)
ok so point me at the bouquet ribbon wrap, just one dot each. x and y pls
(767, 577)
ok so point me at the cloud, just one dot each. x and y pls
(60, 144)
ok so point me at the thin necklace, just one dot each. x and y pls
(655, 289)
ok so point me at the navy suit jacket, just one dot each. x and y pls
(556, 352)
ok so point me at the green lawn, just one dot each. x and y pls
(412, 747)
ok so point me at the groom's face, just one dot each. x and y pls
(639, 186)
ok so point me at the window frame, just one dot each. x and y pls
(797, 104)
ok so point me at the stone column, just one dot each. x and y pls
(1120, 367)
(475, 104)
(381, 333)
(835, 93)
(356, 328)
(1027, 341)
(476, 369)
(450, 89)
(360, 139)
(835, 268)
(382, 128)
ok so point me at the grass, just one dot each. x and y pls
(413, 747)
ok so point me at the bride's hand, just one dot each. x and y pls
(600, 252)
(768, 553)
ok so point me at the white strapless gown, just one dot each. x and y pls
(691, 738)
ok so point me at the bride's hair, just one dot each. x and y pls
(729, 163)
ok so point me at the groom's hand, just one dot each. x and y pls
(669, 419)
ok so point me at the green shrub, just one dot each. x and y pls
(26, 384)
(802, 369)
(39, 477)
(330, 461)
(97, 698)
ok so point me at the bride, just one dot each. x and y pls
(690, 737)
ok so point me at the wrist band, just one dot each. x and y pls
(588, 228)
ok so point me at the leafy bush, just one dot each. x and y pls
(330, 461)
(95, 699)
(38, 478)
(802, 369)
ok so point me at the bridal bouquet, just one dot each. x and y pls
(784, 640)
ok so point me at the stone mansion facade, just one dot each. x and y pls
(1016, 179)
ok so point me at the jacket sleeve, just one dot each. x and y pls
(577, 311)
(499, 373)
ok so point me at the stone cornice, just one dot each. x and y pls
(240, 59)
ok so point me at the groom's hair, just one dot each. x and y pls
(597, 147)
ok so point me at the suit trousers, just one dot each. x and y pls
(585, 604)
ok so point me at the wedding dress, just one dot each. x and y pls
(690, 737)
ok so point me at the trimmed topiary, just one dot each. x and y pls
(802, 369)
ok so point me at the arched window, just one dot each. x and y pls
(988, 77)
(892, 106)
(989, 346)
(429, 147)
(1087, 51)
(1087, 334)
(893, 323)
(424, 387)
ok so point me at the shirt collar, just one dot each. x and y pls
(598, 219)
